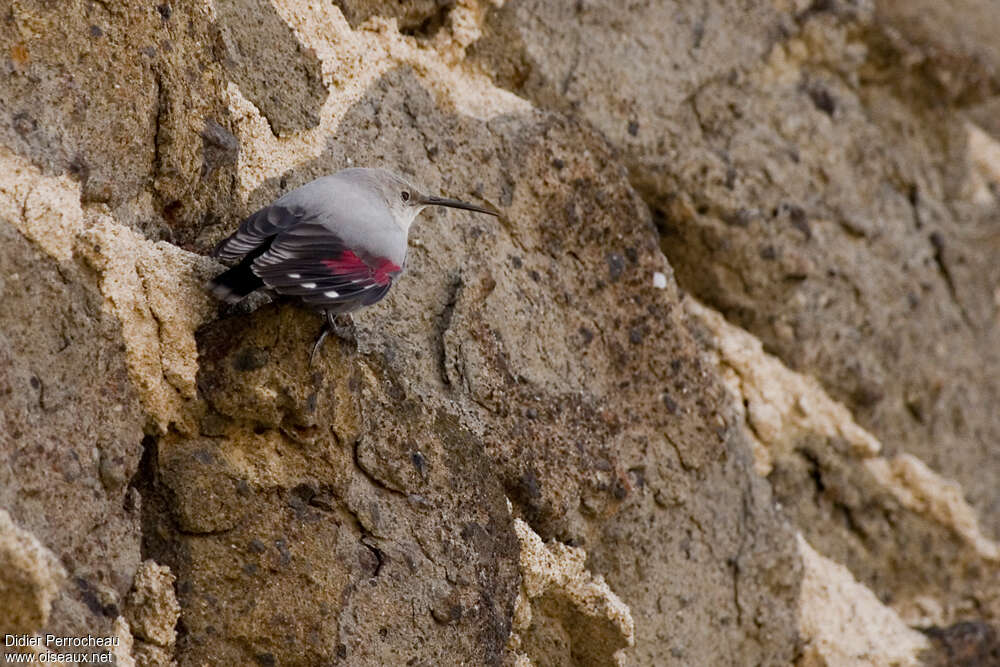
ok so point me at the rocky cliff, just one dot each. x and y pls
(719, 386)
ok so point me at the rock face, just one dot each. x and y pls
(72, 424)
(717, 387)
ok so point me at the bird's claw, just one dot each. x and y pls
(318, 344)
(343, 331)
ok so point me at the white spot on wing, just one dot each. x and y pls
(309, 285)
(295, 275)
(331, 294)
(659, 280)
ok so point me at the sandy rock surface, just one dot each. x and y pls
(718, 386)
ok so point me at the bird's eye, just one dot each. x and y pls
(405, 195)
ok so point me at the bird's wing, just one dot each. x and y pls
(258, 230)
(313, 263)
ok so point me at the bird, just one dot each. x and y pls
(337, 243)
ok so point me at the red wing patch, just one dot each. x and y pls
(349, 263)
(310, 262)
(385, 270)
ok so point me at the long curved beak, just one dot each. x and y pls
(454, 203)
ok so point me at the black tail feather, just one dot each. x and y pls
(239, 281)
(236, 283)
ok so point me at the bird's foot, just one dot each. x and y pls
(342, 327)
(318, 344)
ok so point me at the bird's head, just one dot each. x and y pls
(406, 202)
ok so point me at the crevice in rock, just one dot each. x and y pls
(431, 24)
(369, 476)
(850, 522)
(154, 504)
(144, 482)
(734, 565)
(154, 511)
(156, 167)
(366, 539)
(571, 72)
(913, 197)
(379, 556)
(815, 471)
(746, 534)
(686, 465)
(525, 494)
(90, 596)
(937, 242)
(444, 323)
